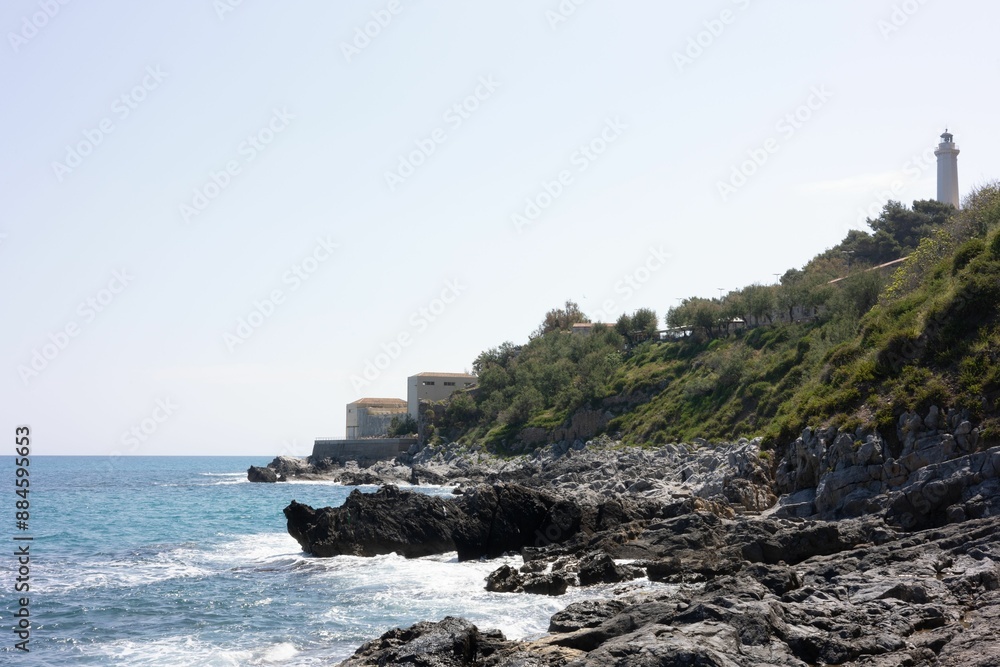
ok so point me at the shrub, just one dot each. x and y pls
(966, 253)
(995, 246)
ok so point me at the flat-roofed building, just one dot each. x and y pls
(431, 387)
(371, 417)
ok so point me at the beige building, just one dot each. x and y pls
(370, 417)
(431, 387)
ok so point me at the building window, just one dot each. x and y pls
(449, 384)
(428, 384)
(468, 384)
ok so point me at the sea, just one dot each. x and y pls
(182, 561)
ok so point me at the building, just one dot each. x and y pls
(947, 176)
(370, 417)
(431, 387)
(587, 328)
(363, 451)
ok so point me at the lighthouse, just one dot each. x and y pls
(947, 164)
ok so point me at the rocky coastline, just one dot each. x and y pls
(844, 548)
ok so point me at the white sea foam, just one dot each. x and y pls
(408, 590)
(258, 549)
(188, 651)
(280, 653)
(126, 572)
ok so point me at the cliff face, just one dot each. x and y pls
(943, 473)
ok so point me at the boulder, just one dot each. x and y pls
(550, 583)
(585, 614)
(452, 642)
(600, 568)
(262, 475)
(290, 466)
(504, 579)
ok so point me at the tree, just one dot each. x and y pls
(707, 315)
(561, 319)
(864, 248)
(637, 327)
(696, 313)
(790, 293)
(907, 226)
(498, 356)
(461, 409)
(400, 427)
(857, 294)
(760, 302)
(980, 213)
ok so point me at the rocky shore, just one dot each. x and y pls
(845, 549)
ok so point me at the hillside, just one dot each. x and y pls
(838, 342)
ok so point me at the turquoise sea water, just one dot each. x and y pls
(181, 561)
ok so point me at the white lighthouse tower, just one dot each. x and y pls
(947, 164)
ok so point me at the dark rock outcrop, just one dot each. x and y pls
(452, 642)
(410, 524)
(263, 475)
(485, 521)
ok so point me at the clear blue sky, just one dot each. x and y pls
(178, 162)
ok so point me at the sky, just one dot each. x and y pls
(222, 220)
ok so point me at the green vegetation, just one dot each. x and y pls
(837, 342)
(399, 428)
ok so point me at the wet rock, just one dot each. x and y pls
(291, 466)
(262, 475)
(485, 521)
(665, 569)
(585, 614)
(389, 521)
(452, 642)
(551, 583)
(600, 568)
(504, 579)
